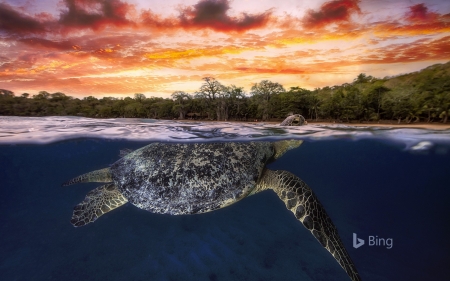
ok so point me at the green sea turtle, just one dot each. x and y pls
(193, 178)
(294, 120)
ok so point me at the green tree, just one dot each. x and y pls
(43, 95)
(352, 104)
(374, 101)
(362, 78)
(236, 102)
(6, 93)
(139, 97)
(211, 91)
(333, 102)
(314, 107)
(263, 92)
(181, 103)
(443, 99)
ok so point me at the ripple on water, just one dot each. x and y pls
(41, 130)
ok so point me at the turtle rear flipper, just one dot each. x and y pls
(102, 175)
(301, 200)
(96, 203)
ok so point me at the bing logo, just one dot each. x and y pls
(357, 242)
(373, 241)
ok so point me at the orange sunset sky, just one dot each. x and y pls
(121, 47)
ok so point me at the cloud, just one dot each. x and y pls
(152, 20)
(213, 14)
(417, 21)
(419, 13)
(104, 86)
(435, 50)
(98, 14)
(17, 65)
(14, 22)
(41, 42)
(271, 70)
(331, 12)
(176, 54)
(394, 53)
(95, 14)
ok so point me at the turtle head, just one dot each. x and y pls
(299, 120)
(282, 146)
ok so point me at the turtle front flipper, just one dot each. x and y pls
(301, 200)
(102, 175)
(96, 203)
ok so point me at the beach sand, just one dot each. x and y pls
(419, 125)
(433, 126)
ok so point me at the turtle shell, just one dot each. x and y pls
(190, 178)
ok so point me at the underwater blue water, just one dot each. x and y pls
(387, 183)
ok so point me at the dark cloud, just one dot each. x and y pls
(14, 22)
(95, 14)
(420, 13)
(331, 12)
(98, 14)
(213, 14)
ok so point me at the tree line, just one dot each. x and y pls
(420, 96)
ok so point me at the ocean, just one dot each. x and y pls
(389, 187)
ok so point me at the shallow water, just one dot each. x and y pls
(389, 183)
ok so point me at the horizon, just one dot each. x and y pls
(245, 92)
(118, 48)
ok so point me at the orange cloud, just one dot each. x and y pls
(301, 37)
(193, 53)
(271, 70)
(441, 24)
(404, 53)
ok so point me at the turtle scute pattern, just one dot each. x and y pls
(181, 178)
(300, 200)
(96, 203)
(294, 120)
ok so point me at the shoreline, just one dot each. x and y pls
(384, 124)
(434, 126)
(418, 125)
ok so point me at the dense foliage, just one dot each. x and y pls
(419, 96)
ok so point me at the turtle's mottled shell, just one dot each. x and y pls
(294, 120)
(190, 178)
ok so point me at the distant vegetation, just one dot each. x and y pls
(420, 96)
